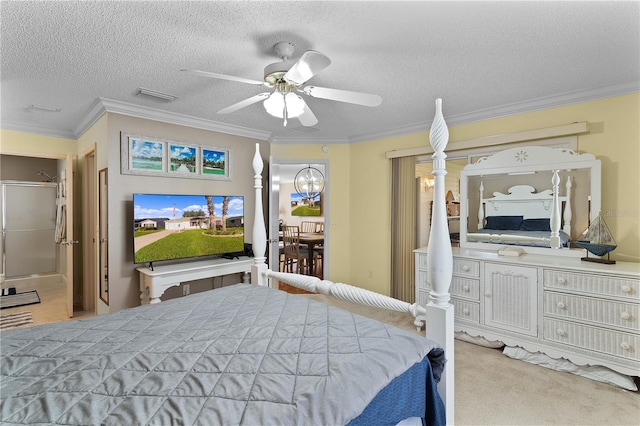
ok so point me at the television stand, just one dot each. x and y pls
(156, 280)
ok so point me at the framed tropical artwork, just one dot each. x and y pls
(153, 156)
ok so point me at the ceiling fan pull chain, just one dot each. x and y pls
(284, 113)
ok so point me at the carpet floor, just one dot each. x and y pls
(493, 389)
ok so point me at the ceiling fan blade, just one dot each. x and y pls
(245, 103)
(225, 77)
(307, 118)
(357, 98)
(309, 64)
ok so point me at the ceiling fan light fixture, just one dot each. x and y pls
(275, 103)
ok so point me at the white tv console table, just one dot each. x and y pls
(154, 282)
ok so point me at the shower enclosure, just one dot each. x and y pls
(28, 217)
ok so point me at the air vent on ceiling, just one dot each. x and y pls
(43, 108)
(155, 95)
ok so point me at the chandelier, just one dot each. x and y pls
(309, 183)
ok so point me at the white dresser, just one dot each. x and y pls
(586, 312)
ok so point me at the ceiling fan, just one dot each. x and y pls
(288, 77)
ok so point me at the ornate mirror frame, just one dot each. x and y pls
(578, 191)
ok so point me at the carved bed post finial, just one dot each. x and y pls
(259, 243)
(555, 213)
(439, 255)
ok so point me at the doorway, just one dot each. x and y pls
(284, 203)
(54, 283)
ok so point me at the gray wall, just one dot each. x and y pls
(14, 167)
(123, 277)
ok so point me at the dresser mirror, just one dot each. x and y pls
(517, 197)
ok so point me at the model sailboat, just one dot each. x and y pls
(597, 240)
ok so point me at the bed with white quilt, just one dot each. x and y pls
(245, 354)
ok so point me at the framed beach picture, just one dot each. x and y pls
(183, 159)
(144, 156)
(215, 163)
(149, 155)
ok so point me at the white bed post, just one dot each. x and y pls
(439, 324)
(481, 207)
(259, 243)
(555, 213)
(566, 217)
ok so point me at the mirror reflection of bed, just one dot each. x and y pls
(537, 198)
(517, 209)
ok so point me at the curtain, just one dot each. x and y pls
(403, 228)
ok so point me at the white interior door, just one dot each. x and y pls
(273, 230)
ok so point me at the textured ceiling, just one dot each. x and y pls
(484, 59)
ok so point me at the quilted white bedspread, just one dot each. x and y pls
(237, 355)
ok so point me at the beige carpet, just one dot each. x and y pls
(492, 389)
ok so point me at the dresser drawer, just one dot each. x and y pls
(625, 345)
(422, 260)
(596, 284)
(467, 311)
(469, 268)
(465, 287)
(421, 280)
(599, 311)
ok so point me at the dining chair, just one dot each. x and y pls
(306, 226)
(294, 255)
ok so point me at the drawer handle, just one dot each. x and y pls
(625, 315)
(561, 332)
(465, 268)
(626, 288)
(465, 288)
(562, 280)
(561, 305)
(487, 294)
(465, 311)
(625, 346)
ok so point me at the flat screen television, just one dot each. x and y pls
(179, 226)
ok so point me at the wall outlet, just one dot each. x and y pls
(370, 274)
(186, 289)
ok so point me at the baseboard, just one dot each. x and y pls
(31, 282)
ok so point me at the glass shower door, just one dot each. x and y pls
(29, 224)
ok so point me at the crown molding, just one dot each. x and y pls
(39, 130)
(511, 109)
(103, 105)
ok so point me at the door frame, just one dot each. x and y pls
(89, 207)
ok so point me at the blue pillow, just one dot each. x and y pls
(536, 225)
(510, 223)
